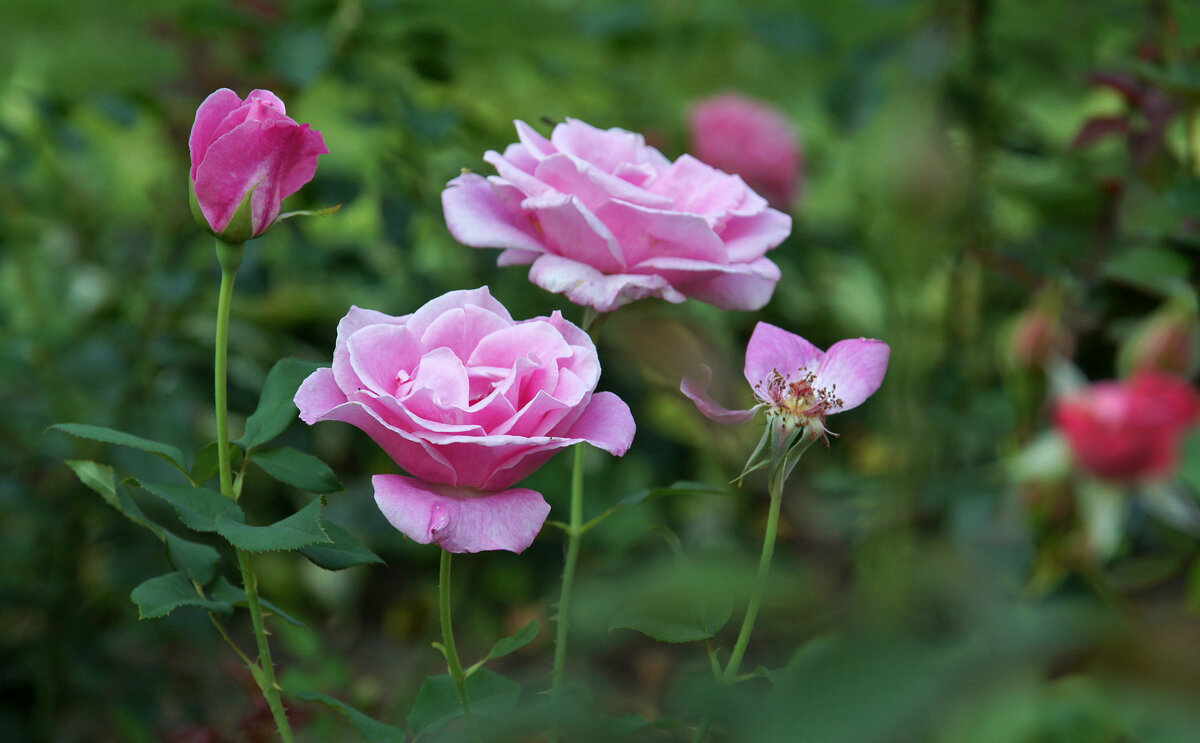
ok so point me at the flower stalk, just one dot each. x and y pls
(453, 664)
(230, 258)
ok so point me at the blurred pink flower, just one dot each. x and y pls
(798, 384)
(1129, 430)
(248, 147)
(752, 139)
(469, 402)
(606, 220)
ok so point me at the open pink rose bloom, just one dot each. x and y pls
(797, 382)
(606, 219)
(238, 146)
(469, 402)
(750, 138)
(1129, 430)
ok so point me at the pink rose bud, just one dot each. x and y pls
(469, 402)
(602, 217)
(753, 140)
(247, 157)
(1129, 431)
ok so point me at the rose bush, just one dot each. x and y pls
(469, 402)
(606, 220)
(752, 139)
(1130, 430)
(247, 157)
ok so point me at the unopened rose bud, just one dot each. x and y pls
(1168, 341)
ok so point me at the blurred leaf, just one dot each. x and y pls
(162, 594)
(1155, 270)
(507, 645)
(437, 700)
(682, 487)
(223, 590)
(276, 411)
(298, 530)
(120, 438)
(298, 469)
(345, 551)
(198, 560)
(369, 728)
(198, 508)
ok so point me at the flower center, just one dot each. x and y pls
(797, 400)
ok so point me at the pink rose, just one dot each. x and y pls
(798, 384)
(606, 220)
(752, 139)
(469, 402)
(247, 151)
(1131, 430)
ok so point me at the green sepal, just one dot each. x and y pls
(162, 594)
(325, 212)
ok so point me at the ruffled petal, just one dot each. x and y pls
(212, 112)
(476, 217)
(458, 519)
(748, 288)
(586, 286)
(606, 424)
(695, 386)
(773, 349)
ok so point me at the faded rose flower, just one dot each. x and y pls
(606, 220)
(247, 157)
(752, 139)
(469, 402)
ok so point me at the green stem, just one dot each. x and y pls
(451, 652)
(574, 532)
(760, 582)
(230, 258)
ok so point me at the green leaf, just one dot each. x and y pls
(300, 470)
(207, 463)
(437, 702)
(1158, 271)
(223, 590)
(276, 411)
(162, 594)
(198, 560)
(368, 727)
(682, 487)
(506, 645)
(120, 438)
(298, 530)
(345, 551)
(198, 508)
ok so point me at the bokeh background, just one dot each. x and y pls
(976, 192)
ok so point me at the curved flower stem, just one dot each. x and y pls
(448, 647)
(230, 258)
(574, 533)
(760, 582)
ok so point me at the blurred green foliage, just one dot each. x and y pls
(922, 591)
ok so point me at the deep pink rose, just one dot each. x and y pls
(242, 146)
(469, 402)
(606, 220)
(1129, 430)
(797, 383)
(750, 138)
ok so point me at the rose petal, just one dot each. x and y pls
(695, 386)
(209, 115)
(773, 349)
(419, 321)
(853, 370)
(746, 290)
(606, 424)
(573, 231)
(477, 218)
(459, 520)
(586, 286)
(377, 353)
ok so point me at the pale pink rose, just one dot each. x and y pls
(242, 146)
(796, 383)
(606, 220)
(750, 138)
(469, 402)
(1132, 430)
